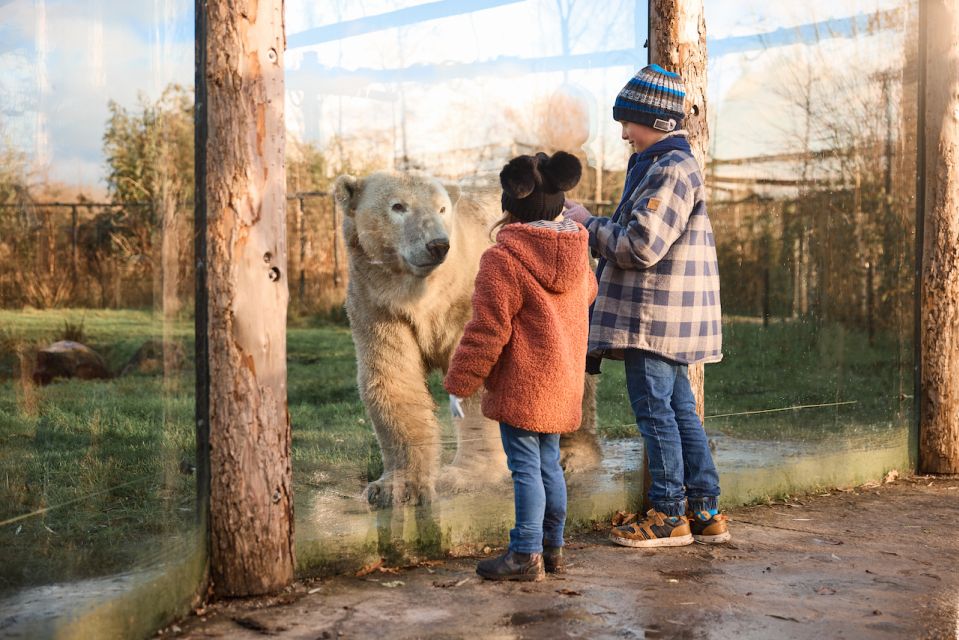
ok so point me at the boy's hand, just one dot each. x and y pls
(575, 212)
(456, 407)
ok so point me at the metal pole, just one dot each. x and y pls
(74, 249)
(202, 409)
(301, 236)
(920, 232)
(336, 252)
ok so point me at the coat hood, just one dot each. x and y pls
(558, 260)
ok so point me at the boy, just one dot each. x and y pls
(658, 309)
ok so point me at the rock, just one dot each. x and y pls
(69, 359)
(149, 358)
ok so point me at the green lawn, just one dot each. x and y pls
(105, 457)
(102, 456)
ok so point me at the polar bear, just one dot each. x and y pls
(414, 247)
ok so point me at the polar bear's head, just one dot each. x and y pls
(399, 221)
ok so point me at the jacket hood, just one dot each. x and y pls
(556, 259)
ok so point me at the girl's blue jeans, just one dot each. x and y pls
(539, 489)
(680, 462)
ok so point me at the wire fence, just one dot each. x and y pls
(124, 255)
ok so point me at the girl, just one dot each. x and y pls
(527, 342)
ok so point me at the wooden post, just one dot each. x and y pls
(251, 494)
(677, 42)
(939, 226)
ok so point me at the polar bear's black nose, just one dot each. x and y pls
(438, 248)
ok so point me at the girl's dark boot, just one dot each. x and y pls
(527, 567)
(553, 560)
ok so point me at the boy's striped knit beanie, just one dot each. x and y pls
(653, 97)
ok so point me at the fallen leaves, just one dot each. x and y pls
(621, 518)
(779, 617)
(369, 568)
(450, 584)
(376, 565)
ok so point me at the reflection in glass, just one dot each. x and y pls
(811, 109)
(97, 503)
(812, 182)
(455, 93)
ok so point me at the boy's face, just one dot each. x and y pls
(640, 137)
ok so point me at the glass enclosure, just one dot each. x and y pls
(811, 179)
(453, 90)
(98, 527)
(811, 185)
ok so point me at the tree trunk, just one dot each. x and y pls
(939, 296)
(677, 42)
(251, 496)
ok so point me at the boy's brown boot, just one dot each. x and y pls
(526, 567)
(709, 528)
(553, 560)
(657, 530)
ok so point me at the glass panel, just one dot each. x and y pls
(811, 112)
(454, 92)
(98, 526)
(812, 185)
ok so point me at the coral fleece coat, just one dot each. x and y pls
(527, 337)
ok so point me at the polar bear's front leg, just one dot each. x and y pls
(480, 459)
(392, 383)
(579, 451)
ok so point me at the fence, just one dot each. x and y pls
(779, 257)
(110, 255)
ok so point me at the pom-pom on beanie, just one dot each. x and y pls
(534, 186)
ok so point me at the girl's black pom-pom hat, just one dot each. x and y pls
(534, 186)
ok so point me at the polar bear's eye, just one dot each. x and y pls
(399, 207)
(442, 209)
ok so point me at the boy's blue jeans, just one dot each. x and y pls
(539, 489)
(680, 462)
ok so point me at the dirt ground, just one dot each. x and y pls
(870, 562)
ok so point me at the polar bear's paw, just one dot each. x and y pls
(391, 489)
(579, 454)
(460, 479)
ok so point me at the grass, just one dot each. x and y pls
(788, 364)
(112, 450)
(791, 364)
(108, 451)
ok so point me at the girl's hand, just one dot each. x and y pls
(576, 212)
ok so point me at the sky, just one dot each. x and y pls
(355, 66)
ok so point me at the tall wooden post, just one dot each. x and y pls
(939, 275)
(251, 496)
(677, 42)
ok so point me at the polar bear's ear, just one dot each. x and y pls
(454, 192)
(345, 190)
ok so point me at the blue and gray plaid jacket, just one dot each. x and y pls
(659, 290)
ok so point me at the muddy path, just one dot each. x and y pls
(870, 562)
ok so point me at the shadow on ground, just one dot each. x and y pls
(870, 562)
